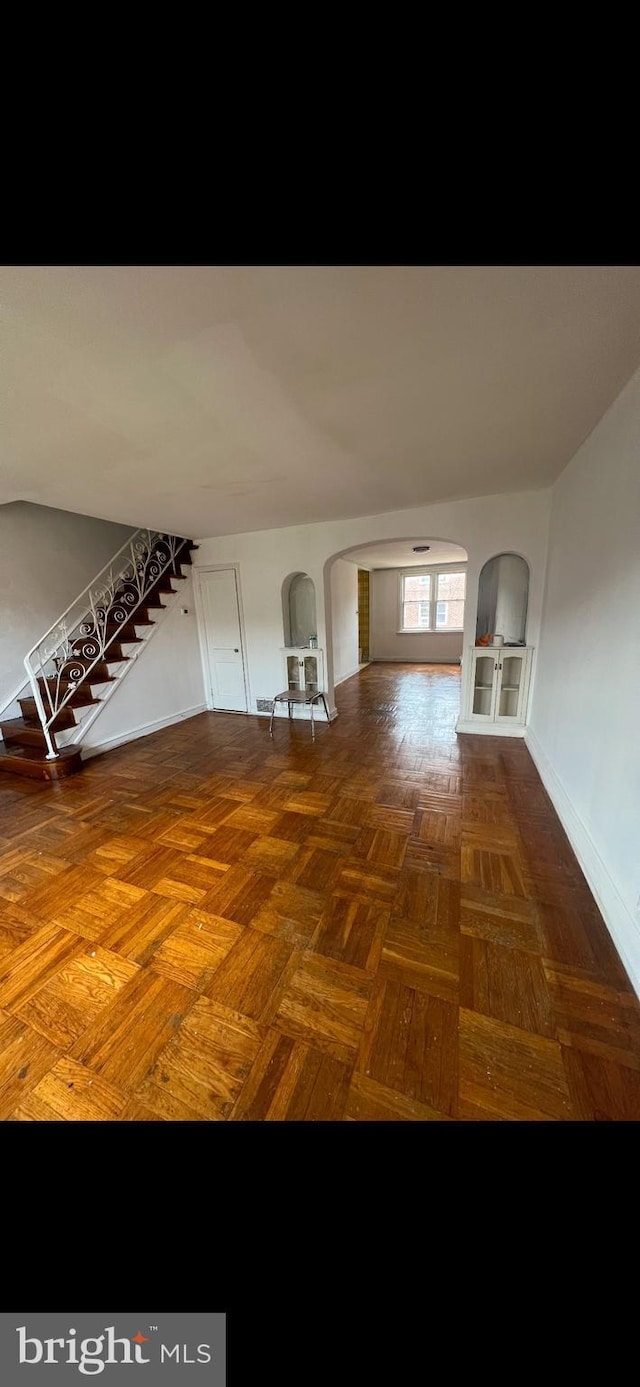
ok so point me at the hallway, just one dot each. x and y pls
(388, 924)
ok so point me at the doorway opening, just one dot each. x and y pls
(397, 603)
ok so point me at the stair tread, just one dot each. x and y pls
(104, 664)
(79, 690)
(80, 684)
(76, 701)
(16, 725)
(19, 730)
(88, 679)
(64, 719)
(24, 734)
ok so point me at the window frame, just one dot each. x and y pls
(434, 570)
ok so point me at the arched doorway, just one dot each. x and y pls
(416, 609)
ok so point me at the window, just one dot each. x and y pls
(432, 599)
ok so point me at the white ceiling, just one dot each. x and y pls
(209, 400)
(399, 554)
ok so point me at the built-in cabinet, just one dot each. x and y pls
(496, 689)
(304, 668)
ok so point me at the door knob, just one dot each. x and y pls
(236, 650)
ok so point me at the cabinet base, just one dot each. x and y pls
(490, 729)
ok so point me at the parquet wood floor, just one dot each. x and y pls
(386, 925)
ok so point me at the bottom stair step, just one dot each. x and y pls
(22, 733)
(31, 761)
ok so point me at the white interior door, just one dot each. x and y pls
(223, 640)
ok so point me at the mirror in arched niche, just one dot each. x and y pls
(503, 595)
(299, 609)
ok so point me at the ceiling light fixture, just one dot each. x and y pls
(421, 548)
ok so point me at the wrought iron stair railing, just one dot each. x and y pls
(99, 620)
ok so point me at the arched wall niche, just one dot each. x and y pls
(299, 618)
(503, 598)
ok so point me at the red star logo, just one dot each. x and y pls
(140, 1338)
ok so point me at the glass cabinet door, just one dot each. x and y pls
(511, 685)
(293, 671)
(484, 670)
(311, 671)
(305, 668)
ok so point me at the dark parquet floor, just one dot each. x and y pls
(386, 925)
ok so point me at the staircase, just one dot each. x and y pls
(77, 665)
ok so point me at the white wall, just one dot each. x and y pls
(47, 557)
(584, 719)
(484, 526)
(344, 611)
(165, 684)
(386, 644)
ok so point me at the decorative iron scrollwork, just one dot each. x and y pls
(67, 654)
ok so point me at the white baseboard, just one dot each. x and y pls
(143, 730)
(618, 918)
(489, 729)
(390, 660)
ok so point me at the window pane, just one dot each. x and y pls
(449, 614)
(415, 616)
(451, 585)
(417, 587)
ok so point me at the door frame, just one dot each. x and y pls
(202, 637)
